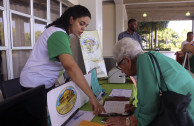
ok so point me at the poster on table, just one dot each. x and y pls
(64, 100)
(92, 53)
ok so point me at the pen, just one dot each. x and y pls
(101, 95)
(70, 117)
(132, 101)
(130, 112)
(114, 114)
(77, 116)
(119, 96)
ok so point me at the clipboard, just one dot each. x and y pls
(115, 104)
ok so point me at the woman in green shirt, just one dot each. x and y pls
(52, 53)
(132, 61)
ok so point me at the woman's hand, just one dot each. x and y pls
(96, 106)
(116, 121)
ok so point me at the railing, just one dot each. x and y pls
(170, 54)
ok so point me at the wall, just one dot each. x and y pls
(109, 28)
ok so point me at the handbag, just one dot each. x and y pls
(172, 106)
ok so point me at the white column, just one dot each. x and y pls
(121, 19)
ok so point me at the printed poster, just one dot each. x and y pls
(92, 53)
(64, 100)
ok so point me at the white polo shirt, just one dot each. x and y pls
(43, 65)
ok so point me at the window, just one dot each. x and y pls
(19, 60)
(20, 5)
(21, 31)
(1, 2)
(21, 23)
(2, 41)
(64, 8)
(39, 27)
(3, 66)
(55, 11)
(40, 8)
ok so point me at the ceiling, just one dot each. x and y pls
(159, 10)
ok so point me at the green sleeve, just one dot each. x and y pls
(177, 80)
(58, 43)
(147, 91)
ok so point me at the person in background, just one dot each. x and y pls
(186, 47)
(52, 53)
(132, 33)
(189, 40)
(133, 61)
(189, 48)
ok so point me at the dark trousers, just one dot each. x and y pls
(47, 90)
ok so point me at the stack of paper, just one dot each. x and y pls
(115, 107)
(120, 93)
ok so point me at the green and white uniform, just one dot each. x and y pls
(43, 65)
(176, 77)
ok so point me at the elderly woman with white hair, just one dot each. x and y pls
(133, 61)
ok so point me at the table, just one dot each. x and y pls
(108, 87)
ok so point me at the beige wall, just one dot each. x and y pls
(109, 28)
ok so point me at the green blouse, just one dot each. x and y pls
(176, 78)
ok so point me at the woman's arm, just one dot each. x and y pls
(76, 75)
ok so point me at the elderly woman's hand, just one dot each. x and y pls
(116, 121)
(121, 121)
(129, 108)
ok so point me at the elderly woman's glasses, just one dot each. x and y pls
(119, 64)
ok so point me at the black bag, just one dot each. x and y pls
(173, 106)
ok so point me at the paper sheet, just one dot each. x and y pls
(120, 93)
(81, 115)
(64, 100)
(115, 106)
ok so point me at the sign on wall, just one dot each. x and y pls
(92, 53)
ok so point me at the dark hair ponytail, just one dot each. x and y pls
(76, 11)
